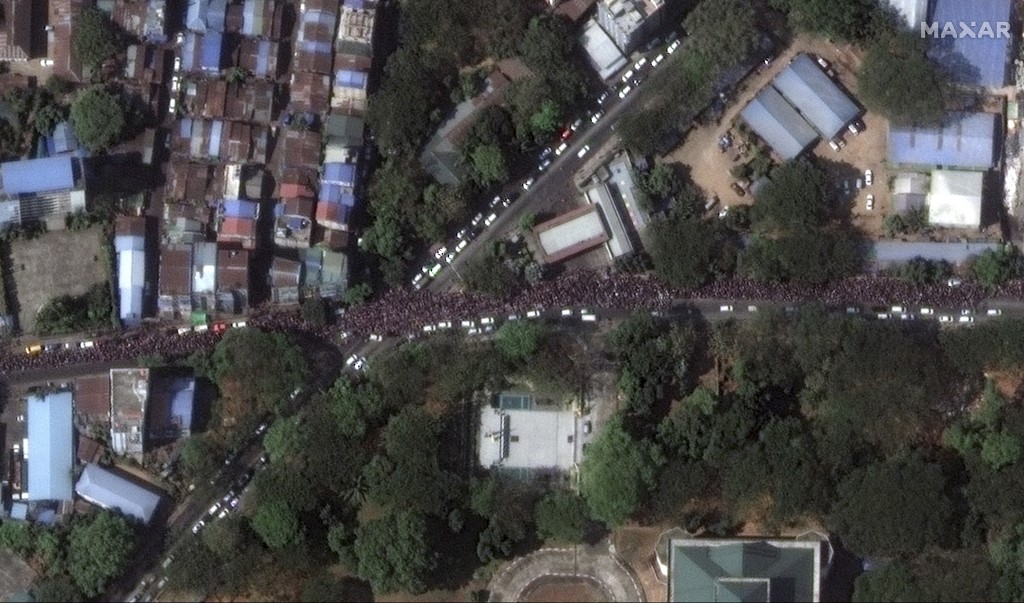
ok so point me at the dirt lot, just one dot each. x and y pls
(557, 590)
(635, 546)
(56, 263)
(710, 166)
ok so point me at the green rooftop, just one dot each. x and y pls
(744, 570)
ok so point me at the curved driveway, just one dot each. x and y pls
(594, 563)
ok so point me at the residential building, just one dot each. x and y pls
(629, 22)
(232, 280)
(909, 192)
(293, 219)
(571, 233)
(314, 39)
(886, 253)
(963, 141)
(147, 64)
(706, 569)
(51, 440)
(63, 141)
(130, 247)
(516, 434)
(41, 190)
(605, 57)
(62, 15)
(344, 137)
(16, 30)
(129, 393)
(349, 92)
(204, 276)
(572, 10)
(144, 19)
(203, 52)
(175, 299)
(955, 198)
(108, 490)
(324, 271)
(260, 58)
(233, 142)
(285, 275)
(92, 401)
(251, 101)
(256, 19)
(300, 148)
(310, 92)
(355, 28)
(237, 222)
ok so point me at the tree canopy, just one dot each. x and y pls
(689, 252)
(99, 549)
(99, 118)
(897, 80)
(894, 508)
(616, 475)
(561, 516)
(394, 554)
(264, 367)
(723, 31)
(95, 38)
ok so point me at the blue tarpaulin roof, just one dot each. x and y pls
(980, 60)
(330, 193)
(357, 4)
(111, 491)
(182, 392)
(213, 43)
(778, 123)
(51, 443)
(236, 208)
(262, 60)
(347, 78)
(821, 102)
(37, 175)
(340, 173)
(967, 140)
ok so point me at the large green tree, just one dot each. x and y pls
(724, 31)
(617, 474)
(264, 368)
(394, 553)
(489, 164)
(518, 340)
(561, 516)
(99, 549)
(897, 80)
(99, 118)
(95, 38)
(893, 508)
(688, 252)
(277, 524)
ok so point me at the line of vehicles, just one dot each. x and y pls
(38, 349)
(965, 316)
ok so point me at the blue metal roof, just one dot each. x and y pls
(778, 123)
(195, 15)
(50, 442)
(217, 14)
(348, 199)
(330, 193)
(346, 78)
(37, 175)
(188, 52)
(109, 490)
(237, 208)
(63, 139)
(340, 173)
(967, 140)
(262, 60)
(357, 4)
(821, 102)
(213, 43)
(977, 61)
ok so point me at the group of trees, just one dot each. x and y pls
(77, 560)
(798, 424)
(74, 313)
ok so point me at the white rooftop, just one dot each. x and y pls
(527, 439)
(955, 198)
(601, 49)
(576, 233)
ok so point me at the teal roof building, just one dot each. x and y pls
(733, 570)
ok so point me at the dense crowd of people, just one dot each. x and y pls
(402, 312)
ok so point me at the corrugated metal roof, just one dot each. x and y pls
(967, 140)
(64, 139)
(188, 52)
(131, 281)
(216, 14)
(237, 208)
(195, 16)
(571, 233)
(981, 60)
(955, 198)
(213, 46)
(50, 440)
(340, 173)
(111, 491)
(37, 175)
(204, 266)
(778, 124)
(350, 79)
(822, 103)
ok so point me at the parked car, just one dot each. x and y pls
(561, 149)
(927, 312)
(576, 124)
(440, 252)
(495, 202)
(640, 64)
(544, 165)
(725, 308)
(582, 152)
(994, 312)
(965, 319)
(360, 364)
(868, 177)
(529, 182)
(434, 270)
(824, 64)
(870, 204)
(853, 128)
(238, 324)
(533, 314)
(34, 349)
(657, 60)
(351, 360)
(604, 97)
(376, 337)
(461, 245)
(673, 46)
(736, 188)
(834, 145)
(625, 90)
(490, 219)
(596, 117)
(627, 76)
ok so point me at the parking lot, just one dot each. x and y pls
(55, 263)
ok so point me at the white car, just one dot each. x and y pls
(673, 46)
(513, 317)
(46, 63)
(451, 256)
(416, 280)
(567, 312)
(495, 201)
(177, 64)
(627, 75)
(583, 151)
(994, 312)
(351, 360)
(175, 83)
(468, 324)
(585, 317)
(945, 318)
(487, 320)
(473, 331)
(461, 234)
(726, 308)
(462, 245)
(440, 253)
(360, 364)
(965, 319)
(428, 328)
(479, 217)
(657, 60)
(927, 312)
(639, 64)
(529, 182)
(883, 315)
(870, 203)
(834, 145)
(184, 330)
(533, 314)
(201, 328)
(86, 345)
(172, 105)
(868, 177)
(444, 324)
(576, 124)
(490, 219)
(751, 308)
(198, 526)
(561, 149)
(596, 117)
(966, 312)
(238, 324)
(625, 90)
(434, 270)
(375, 337)
(544, 165)
(896, 309)
(954, 282)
